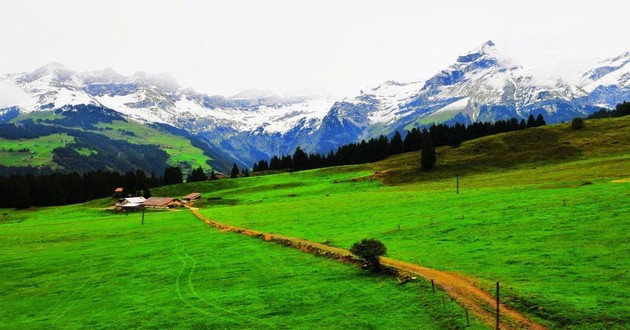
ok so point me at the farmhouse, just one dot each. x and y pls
(191, 197)
(130, 203)
(218, 175)
(162, 202)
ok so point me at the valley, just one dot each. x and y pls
(542, 211)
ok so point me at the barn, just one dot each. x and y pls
(191, 197)
(162, 202)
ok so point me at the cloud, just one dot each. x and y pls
(11, 94)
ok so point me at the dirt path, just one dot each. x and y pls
(479, 302)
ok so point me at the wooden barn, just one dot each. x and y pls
(162, 202)
(191, 197)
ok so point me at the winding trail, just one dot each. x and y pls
(461, 289)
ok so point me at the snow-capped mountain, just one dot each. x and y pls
(608, 82)
(247, 126)
(481, 85)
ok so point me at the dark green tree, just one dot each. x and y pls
(22, 196)
(196, 175)
(396, 145)
(531, 121)
(300, 160)
(577, 123)
(235, 172)
(540, 121)
(146, 193)
(173, 175)
(370, 250)
(428, 153)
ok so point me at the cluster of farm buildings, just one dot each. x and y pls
(137, 203)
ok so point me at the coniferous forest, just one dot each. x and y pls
(376, 149)
(23, 191)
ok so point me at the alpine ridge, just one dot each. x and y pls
(481, 85)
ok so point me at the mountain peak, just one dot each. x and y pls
(487, 49)
(53, 71)
(53, 67)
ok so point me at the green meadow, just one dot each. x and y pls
(81, 267)
(181, 152)
(552, 228)
(39, 150)
(543, 211)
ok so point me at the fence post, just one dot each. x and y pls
(433, 286)
(467, 318)
(498, 305)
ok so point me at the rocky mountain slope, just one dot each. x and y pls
(481, 85)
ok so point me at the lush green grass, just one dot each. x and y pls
(38, 116)
(40, 149)
(537, 211)
(549, 225)
(180, 150)
(80, 267)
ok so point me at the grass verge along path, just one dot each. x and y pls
(459, 288)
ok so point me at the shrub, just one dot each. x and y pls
(370, 250)
(577, 123)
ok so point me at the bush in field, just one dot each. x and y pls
(577, 123)
(370, 250)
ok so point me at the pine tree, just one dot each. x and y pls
(531, 121)
(522, 124)
(300, 160)
(428, 153)
(540, 121)
(146, 193)
(196, 175)
(396, 145)
(235, 171)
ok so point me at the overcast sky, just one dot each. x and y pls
(337, 47)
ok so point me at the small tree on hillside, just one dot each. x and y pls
(370, 250)
(300, 160)
(428, 153)
(531, 121)
(577, 123)
(540, 121)
(146, 193)
(235, 172)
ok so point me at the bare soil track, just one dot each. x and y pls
(463, 290)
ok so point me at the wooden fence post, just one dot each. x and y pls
(498, 305)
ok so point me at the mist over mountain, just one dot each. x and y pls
(481, 85)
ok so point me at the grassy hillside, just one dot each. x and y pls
(39, 153)
(539, 210)
(81, 267)
(543, 211)
(180, 150)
